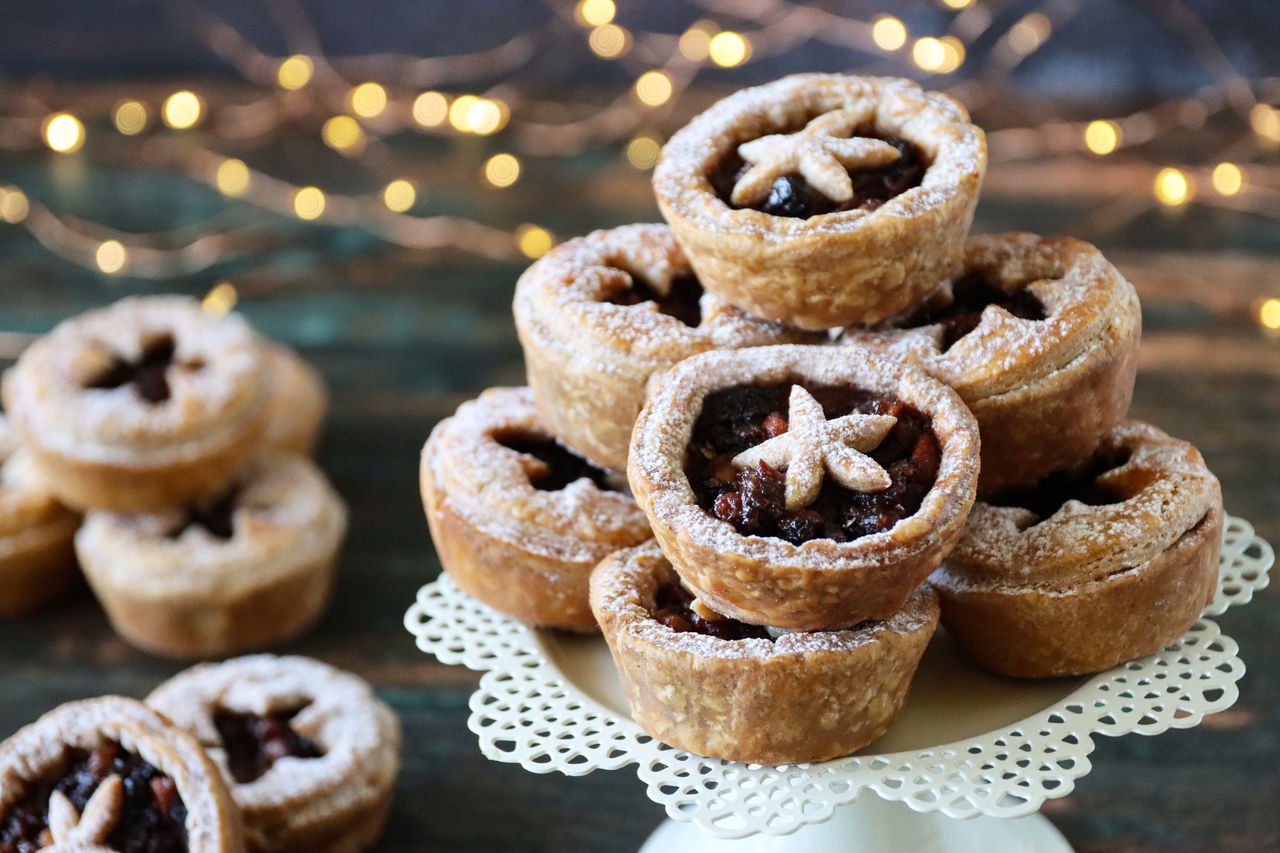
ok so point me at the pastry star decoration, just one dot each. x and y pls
(86, 831)
(813, 446)
(823, 153)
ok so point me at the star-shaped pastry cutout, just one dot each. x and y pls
(822, 152)
(101, 813)
(813, 446)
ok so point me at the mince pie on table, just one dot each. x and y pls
(722, 688)
(822, 200)
(804, 487)
(1039, 335)
(247, 568)
(297, 403)
(1089, 567)
(37, 559)
(146, 404)
(518, 519)
(600, 315)
(309, 753)
(111, 774)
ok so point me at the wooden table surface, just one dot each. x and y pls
(404, 337)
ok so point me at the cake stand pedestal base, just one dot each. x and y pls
(873, 825)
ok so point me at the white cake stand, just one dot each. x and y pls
(968, 745)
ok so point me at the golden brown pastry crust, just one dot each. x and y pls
(520, 550)
(589, 361)
(297, 401)
(336, 803)
(196, 595)
(822, 583)
(838, 268)
(110, 449)
(37, 560)
(36, 752)
(1091, 586)
(1044, 392)
(799, 698)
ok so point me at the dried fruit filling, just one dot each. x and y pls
(753, 499)
(682, 299)
(148, 375)
(792, 196)
(217, 516)
(971, 294)
(1047, 495)
(255, 743)
(152, 818)
(562, 465)
(673, 607)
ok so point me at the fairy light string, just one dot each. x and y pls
(354, 103)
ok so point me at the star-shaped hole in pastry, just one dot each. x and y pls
(823, 153)
(149, 374)
(677, 296)
(971, 296)
(68, 827)
(813, 446)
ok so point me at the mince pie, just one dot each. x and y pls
(518, 519)
(1089, 567)
(146, 404)
(37, 560)
(297, 403)
(804, 487)
(600, 315)
(1039, 335)
(721, 688)
(821, 200)
(246, 568)
(111, 774)
(309, 753)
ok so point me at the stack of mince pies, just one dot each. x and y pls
(260, 754)
(842, 420)
(165, 448)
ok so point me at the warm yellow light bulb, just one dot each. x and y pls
(957, 4)
(1172, 187)
(642, 152)
(889, 33)
(928, 53)
(502, 170)
(111, 256)
(1228, 178)
(595, 13)
(182, 110)
(695, 42)
(534, 241)
(308, 203)
(1102, 136)
(460, 112)
(653, 88)
(728, 49)
(430, 109)
(368, 100)
(399, 195)
(609, 41)
(1029, 33)
(130, 117)
(63, 132)
(485, 116)
(952, 54)
(343, 134)
(1269, 313)
(1265, 121)
(232, 177)
(295, 72)
(221, 299)
(14, 205)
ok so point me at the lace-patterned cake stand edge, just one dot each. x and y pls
(968, 744)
